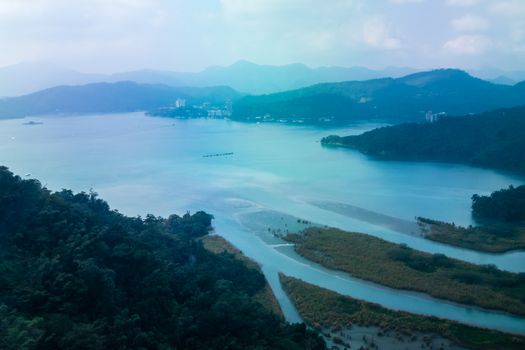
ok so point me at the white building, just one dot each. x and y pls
(180, 102)
(430, 117)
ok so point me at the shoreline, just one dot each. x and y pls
(378, 261)
(324, 310)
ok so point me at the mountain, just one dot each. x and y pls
(109, 98)
(503, 80)
(494, 74)
(27, 77)
(409, 98)
(494, 139)
(260, 79)
(242, 76)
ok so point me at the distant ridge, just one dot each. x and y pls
(243, 76)
(415, 97)
(409, 98)
(109, 98)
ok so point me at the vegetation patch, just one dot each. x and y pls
(219, 245)
(495, 237)
(77, 275)
(322, 308)
(398, 266)
(503, 205)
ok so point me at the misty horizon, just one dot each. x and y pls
(487, 70)
(101, 37)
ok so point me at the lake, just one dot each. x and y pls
(276, 174)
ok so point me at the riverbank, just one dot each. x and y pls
(495, 238)
(397, 266)
(366, 323)
(218, 245)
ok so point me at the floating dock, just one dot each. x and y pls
(218, 155)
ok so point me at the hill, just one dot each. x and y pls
(109, 98)
(244, 76)
(248, 77)
(493, 139)
(76, 275)
(254, 78)
(28, 77)
(410, 98)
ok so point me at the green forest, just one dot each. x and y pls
(493, 140)
(504, 205)
(75, 274)
(492, 237)
(405, 99)
(501, 223)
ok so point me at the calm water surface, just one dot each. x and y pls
(151, 165)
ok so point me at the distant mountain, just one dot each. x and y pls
(109, 98)
(24, 78)
(252, 78)
(503, 80)
(493, 139)
(410, 98)
(494, 74)
(242, 76)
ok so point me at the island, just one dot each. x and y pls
(348, 323)
(501, 228)
(398, 266)
(494, 237)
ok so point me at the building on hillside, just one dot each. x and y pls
(434, 117)
(180, 103)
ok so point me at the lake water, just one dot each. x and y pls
(145, 165)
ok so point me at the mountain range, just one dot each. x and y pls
(410, 98)
(109, 98)
(243, 76)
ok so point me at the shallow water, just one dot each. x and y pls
(151, 165)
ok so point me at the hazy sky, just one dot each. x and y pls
(118, 35)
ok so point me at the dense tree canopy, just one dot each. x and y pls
(450, 91)
(76, 275)
(494, 139)
(504, 205)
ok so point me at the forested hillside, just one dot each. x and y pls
(76, 275)
(410, 98)
(494, 139)
(124, 96)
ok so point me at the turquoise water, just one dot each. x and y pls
(151, 165)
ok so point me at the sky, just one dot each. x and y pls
(108, 36)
